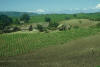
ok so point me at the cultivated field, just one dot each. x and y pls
(78, 47)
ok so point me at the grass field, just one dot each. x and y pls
(16, 44)
(71, 48)
(82, 23)
(82, 52)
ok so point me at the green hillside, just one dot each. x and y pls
(16, 14)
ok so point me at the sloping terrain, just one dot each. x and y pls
(82, 23)
(84, 52)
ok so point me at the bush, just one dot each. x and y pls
(53, 25)
(80, 22)
(30, 28)
(8, 29)
(75, 15)
(76, 27)
(40, 28)
(67, 18)
(17, 21)
(47, 19)
(25, 18)
(15, 29)
(5, 21)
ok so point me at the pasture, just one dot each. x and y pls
(71, 48)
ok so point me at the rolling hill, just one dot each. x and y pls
(16, 14)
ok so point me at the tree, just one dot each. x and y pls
(67, 18)
(15, 29)
(5, 21)
(47, 19)
(53, 25)
(25, 18)
(40, 28)
(17, 21)
(30, 28)
(75, 15)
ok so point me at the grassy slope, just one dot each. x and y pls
(76, 53)
(19, 43)
(85, 23)
(76, 22)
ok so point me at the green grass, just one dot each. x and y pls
(21, 43)
(76, 53)
(61, 17)
(85, 23)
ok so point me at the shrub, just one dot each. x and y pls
(30, 28)
(80, 22)
(75, 15)
(25, 18)
(40, 28)
(17, 21)
(53, 25)
(47, 19)
(8, 29)
(76, 27)
(67, 18)
(5, 21)
(15, 29)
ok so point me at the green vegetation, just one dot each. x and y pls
(30, 28)
(25, 18)
(4, 21)
(16, 44)
(50, 40)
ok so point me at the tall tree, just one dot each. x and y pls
(5, 21)
(47, 19)
(25, 18)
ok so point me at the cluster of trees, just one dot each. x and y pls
(6, 21)
(53, 25)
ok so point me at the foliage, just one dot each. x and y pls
(25, 18)
(15, 29)
(76, 27)
(67, 18)
(7, 29)
(5, 21)
(75, 15)
(40, 27)
(30, 28)
(19, 43)
(47, 19)
(17, 21)
(80, 22)
(53, 25)
(61, 17)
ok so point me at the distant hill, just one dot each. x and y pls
(16, 14)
